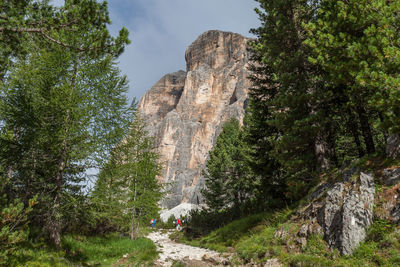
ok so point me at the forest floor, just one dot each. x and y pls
(177, 254)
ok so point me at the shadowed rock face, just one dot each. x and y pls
(186, 111)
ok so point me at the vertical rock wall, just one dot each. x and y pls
(186, 110)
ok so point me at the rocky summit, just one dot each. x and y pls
(185, 111)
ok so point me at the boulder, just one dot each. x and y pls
(391, 176)
(343, 215)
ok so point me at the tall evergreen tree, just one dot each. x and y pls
(127, 191)
(228, 180)
(288, 100)
(63, 104)
(60, 113)
(357, 43)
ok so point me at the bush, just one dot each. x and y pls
(13, 230)
(169, 224)
(378, 230)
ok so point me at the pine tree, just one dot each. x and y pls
(288, 101)
(228, 179)
(357, 44)
(79, 25)
(127, 192)
(60, 114)
(62, 105)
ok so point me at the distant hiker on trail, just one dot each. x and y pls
(179, 225)
(153, 223)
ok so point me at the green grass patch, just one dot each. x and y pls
(80, 250)
(228, 236)
(105, 251)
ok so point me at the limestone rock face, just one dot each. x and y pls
(162, 97)
(342, 212)
(186, 111)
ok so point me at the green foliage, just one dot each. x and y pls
(229, 183)
(288, 117)
(63, 105)
(232, 232)
(379, 230)
(127, 192)
(78, 250)
(80, 26)
(257, 241)
(229, 234)
(169, 224)
(357, 43)
(13, 229)
(56, 126)
(324, 89)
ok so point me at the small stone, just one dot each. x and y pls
(272, 263)
(301, 241)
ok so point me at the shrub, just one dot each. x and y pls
(13, 229)
(378, 230)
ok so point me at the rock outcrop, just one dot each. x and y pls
(393, 146)
(342, 212)
(186, 111)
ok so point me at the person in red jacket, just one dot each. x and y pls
(178, 225)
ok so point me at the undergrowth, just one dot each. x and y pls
(78, 250)
(256, 239)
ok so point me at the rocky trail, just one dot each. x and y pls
(171, 251)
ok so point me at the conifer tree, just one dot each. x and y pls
(357, 44)
(287, 99)
(28, 22)
(63, 104)
(60, 113)
(127, 191)
(228, 179)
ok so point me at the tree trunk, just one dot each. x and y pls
(138, 223)
(133, 218)
(353, 127)
(321, 152)
(366, 129)
(54, 223)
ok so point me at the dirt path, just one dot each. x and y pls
(171, 251)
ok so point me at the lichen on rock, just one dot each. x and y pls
(344, 215)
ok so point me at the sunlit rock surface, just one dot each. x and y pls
(186, 110)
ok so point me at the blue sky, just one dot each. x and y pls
(161, 30)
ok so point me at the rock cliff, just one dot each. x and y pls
(186, 110)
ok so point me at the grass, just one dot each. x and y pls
(80, 250)
(226, 237)
(255, 239)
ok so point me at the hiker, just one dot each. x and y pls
(178, 225)
(154, 223)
